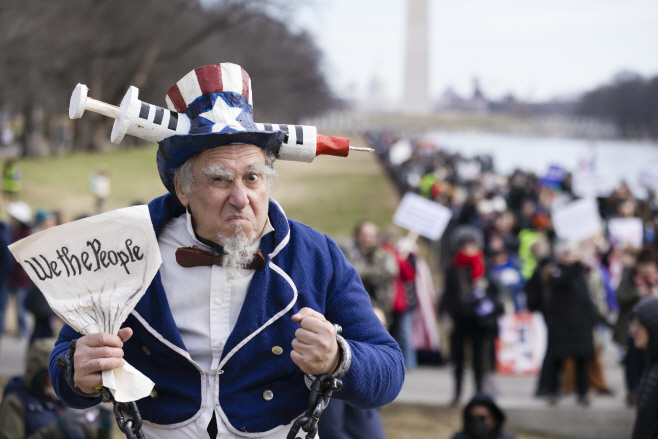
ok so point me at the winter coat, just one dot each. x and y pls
(26, 411)
(456, 302)
(569, 313)
(377, 271)
(535, 288)
(627, 296)
(646, 423)
(303, 268)
(18, 278)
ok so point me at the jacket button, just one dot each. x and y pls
(277, 350)
(146, 350)
(268, 395)
(154, 394)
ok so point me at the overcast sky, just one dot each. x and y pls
(536, 49)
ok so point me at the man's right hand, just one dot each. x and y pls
(95, 353)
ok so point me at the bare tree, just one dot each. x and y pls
(631, 102)
(46, 48)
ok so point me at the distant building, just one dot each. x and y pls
(450, 100)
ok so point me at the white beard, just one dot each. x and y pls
(237, 252)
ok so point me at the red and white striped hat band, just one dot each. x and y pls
(209, 79)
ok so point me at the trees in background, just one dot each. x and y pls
(46, 48)
(631, 102)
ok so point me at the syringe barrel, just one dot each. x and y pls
(155, 123)
(303, 143)
(146, 121)
(300, 143)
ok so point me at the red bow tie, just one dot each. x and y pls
(195, 257)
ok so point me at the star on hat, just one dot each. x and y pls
(222, 111)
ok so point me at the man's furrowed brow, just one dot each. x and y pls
(217, 171)
(257, 168)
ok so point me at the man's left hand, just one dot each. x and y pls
(315, 349)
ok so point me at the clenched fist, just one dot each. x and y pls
(315, 349)
(95, 353)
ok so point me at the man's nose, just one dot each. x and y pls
(238, 196)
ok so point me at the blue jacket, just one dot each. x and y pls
(38, 412)
(304, 268)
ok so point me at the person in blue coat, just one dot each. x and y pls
(245, 302)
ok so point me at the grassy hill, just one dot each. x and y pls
(331, 194)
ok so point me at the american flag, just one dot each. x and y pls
(216, 98)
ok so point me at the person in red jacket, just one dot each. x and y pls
(404, 299)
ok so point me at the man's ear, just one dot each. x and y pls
(181, 194)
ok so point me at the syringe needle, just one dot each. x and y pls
(354, 148)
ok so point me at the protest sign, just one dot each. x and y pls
(423, 216)
(400, 152)
(577, 220)
(648, 179)
(625, 232)
(587, 183)
(468, 170)
(521, 344)
(93, 272)
(554, 176)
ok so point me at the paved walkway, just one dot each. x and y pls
(606, 418)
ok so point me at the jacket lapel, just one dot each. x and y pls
(267, 295)
(153, 306)
(268, 292)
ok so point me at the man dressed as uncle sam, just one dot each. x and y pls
(246, 300)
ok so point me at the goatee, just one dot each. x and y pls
(237, 251)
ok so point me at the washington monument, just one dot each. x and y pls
(416, 99)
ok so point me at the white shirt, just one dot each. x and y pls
(205, 303)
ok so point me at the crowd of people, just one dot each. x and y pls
(30, 408)
(498, 255)
(501, 254)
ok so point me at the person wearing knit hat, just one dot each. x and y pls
(644, 327)
(245, 303)
(31, 409)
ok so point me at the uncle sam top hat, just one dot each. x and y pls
(210, 106)
(218, 101)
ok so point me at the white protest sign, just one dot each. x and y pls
(577, 220)
(420, 215)
(626, 231)
(468, 170)
(400, 152)
(587, 183)
(93, 272)
(648, 179)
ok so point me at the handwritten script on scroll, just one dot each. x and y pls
(93, 271)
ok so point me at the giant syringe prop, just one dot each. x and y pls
(302, 143)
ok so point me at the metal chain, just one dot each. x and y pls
(127, 414)
(322, 388)
(129, 419)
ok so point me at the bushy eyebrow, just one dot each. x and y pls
(257, 168)
(217, 171)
